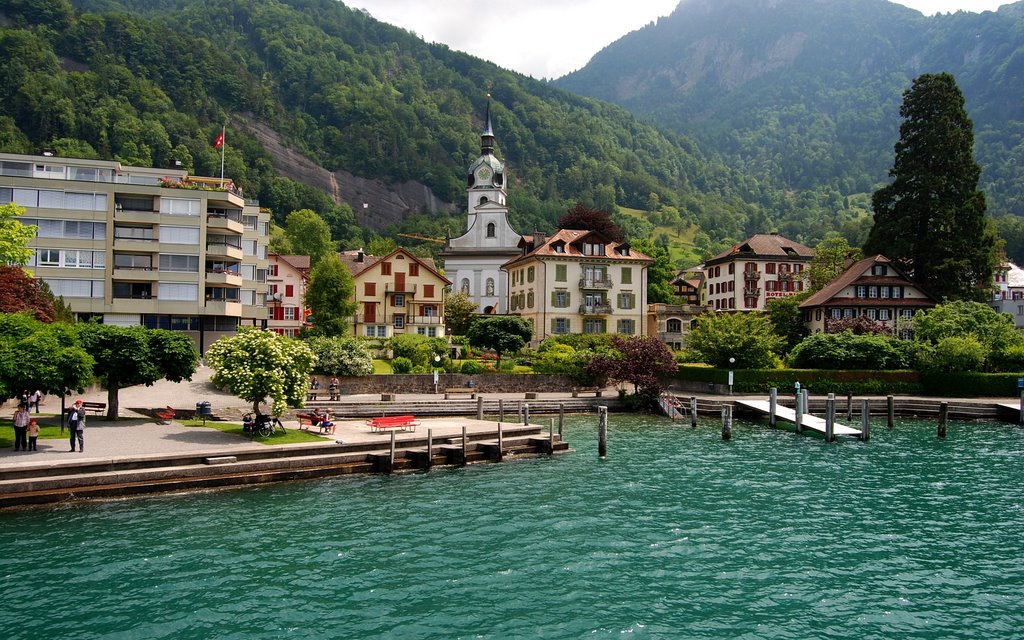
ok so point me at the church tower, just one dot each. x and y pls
(473, 260)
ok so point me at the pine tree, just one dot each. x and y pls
(931, 219)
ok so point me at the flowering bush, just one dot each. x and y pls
(255, 365)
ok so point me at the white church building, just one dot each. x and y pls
(473, 260)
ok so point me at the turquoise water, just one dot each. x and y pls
(675, 535)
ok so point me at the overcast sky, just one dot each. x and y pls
(550, 38)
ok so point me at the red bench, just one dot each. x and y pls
(164, 414)
(405, 423)
(310, 420)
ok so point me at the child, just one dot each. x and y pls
(33, 434)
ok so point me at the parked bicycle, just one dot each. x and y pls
(260, 424)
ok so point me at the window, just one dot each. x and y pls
(560, 299)
(178, 291)
(872, 291)
(884, 291)
(490, 229)
(428, 291)
(291, 313)
(626, 327)
(593, 249)
(849, 313)
(769, 268)
(897, 292)
(48, 257)
(273, 270)
(529, 300)
(414, 269)
(561, 271)
(399, 321)
(530, 274)
(593, 325)
(172, 262)
(906, 313)
(76, 288)
(289, 291)
(627, 301)
(862, 291)
(817, 314)
(750, 267)
(883, 314)
(559, 247)
(627, 275)
(732, 268)
(560, 325)
(872, 314)
(429, 310)
(179, 206)
(176, 235)
(248, 247)
(835, 314)
(674, 325)
(399, 299)
(250, 222)
(879, 270)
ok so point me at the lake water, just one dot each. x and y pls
(675, 535)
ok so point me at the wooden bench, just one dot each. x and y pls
(576, 391)
(163, 414)
(95, 407)
(310, 420)
(384, 423)
(470, 391)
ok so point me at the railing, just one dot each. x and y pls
(391, 287)
(752, 275)
(751, 291)
(596, 309)
(596, 283)
(430, 320)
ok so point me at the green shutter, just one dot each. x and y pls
(554, 298)
(560, 273)
(627, 275)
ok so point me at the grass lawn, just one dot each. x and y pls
(382, 367)
(289, 436)
(49, 429)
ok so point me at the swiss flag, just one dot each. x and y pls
(219, 142)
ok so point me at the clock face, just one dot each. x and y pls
(483, 173)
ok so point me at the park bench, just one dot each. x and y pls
(384, 423)
(451, 391)
(95, 407)
(164, 414)
(576, 391)
(310, 420)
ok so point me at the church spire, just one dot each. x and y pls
(487, 138)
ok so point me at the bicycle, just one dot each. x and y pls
(261, 425)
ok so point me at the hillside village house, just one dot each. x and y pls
(762, 267)
(671, 323)
(1008, 292)
(578, 282)
(141, 246)
(399, 293)
(287, 278)
(872, 288)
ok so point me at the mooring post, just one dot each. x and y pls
(865, 421)
(849, 406)
(798, 413)
(501, 410)
(726, 422)
(830, 418)
(1021, 420)
(501, 444)
(693, 411)
(891, 411)
(561, 419)
(391, 456)
(430, 446)
(943, 418)
(479, 407)
(806, 395)
(551, 436)
(526, 413)
(465, 446)
(519, 406)
(602, 431)
(773, 401)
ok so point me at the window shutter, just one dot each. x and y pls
(568, 298)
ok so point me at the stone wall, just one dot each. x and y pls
(424, 383)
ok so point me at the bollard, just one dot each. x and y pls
(865, 421)
(561, 419)
(943, 418)
(891, 410)
(727, 422)
(806, 395)
(798, 413)
(430, 446)
(773, 402)
(479, 407)
(602, 432)
(1021, 409)
(849, 406)
(693, 411)
(551, 436)
(465, 459)
(519, 410)
(526, 413)
(501, 410)
(391, 457)
(830, 418)
(501, 444)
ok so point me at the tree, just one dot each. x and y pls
(748, 337)
(638, 360)
(660, 273)
(330, 296)
(503, 334)
(20, 292)
(36, 355)
(380, 246)
(831, 258)
(127, 356)
(931, 220)
(459, 311)
(255, 365)
(341, 356)
(581, 217)
(14, 236)
(994, 331)
(787, 319)
(308, 235)
(847, 350)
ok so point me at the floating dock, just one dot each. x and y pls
(807, 420)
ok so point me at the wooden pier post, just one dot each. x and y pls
(430, 446)
(830, 418)
(943, 418)
(865, 421)
(501, 444)
(561, 417)
(693, 411)
(849, 406)
(391, 456)
(602, 432)
(798, 413)
(891, 411)
(501, 410)
(551, 436)
(479, 407)
(726, 422)
(465, 446)
(526, 413)
(806, 395)
(773, 401)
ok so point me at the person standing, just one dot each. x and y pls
(33, 435)
(76, 425)
(35, 399)
(21, 418)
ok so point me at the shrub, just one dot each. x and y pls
(957, 353)
(401, 365)
(847, 350)
(1009, 359)
(471, 367)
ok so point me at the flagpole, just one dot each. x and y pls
(223, 145)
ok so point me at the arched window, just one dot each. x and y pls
(482, 200)
(490, 229)
(465, 285)
(674, 325)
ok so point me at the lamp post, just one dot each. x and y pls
(732, 361)
(437, 363)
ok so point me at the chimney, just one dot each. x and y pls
(360, 256)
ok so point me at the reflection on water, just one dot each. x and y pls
(675, 535)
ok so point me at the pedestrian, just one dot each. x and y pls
(21, 418)
(314, 387)
(333, 389)
(36, 398)
(76, 425)
(33, 434)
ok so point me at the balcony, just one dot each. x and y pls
(224, 222)
(407, 288)
(135, 215)
(424, 320)
(595, 309)
(751, 291)
(229, 278)
(596, 283)
(223, 250)
(752, 276)
(231, 308)
(136, 243)
(143, 274)
(789, 276)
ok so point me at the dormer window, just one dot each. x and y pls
(558, 247)
(593, 249)
(879, 270)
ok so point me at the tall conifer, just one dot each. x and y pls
(931, 219)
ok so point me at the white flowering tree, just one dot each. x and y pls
(255, 365)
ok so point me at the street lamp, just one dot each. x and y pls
(437, 363)
(732, 361)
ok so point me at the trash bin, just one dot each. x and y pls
(204, 410)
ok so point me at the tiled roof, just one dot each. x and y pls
(854, 274)
(766, 245)
(573, 241)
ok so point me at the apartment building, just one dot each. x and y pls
(287, 278)
(762, 267)
(578, 282)
(143, 246)
(399, 293)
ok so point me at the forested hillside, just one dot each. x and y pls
(805, 94)
(148, 82)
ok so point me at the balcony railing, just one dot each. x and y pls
(392, 287)
(596, 283)
(595, 309)
(751, 291)
(752, 275)
(429, 320)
